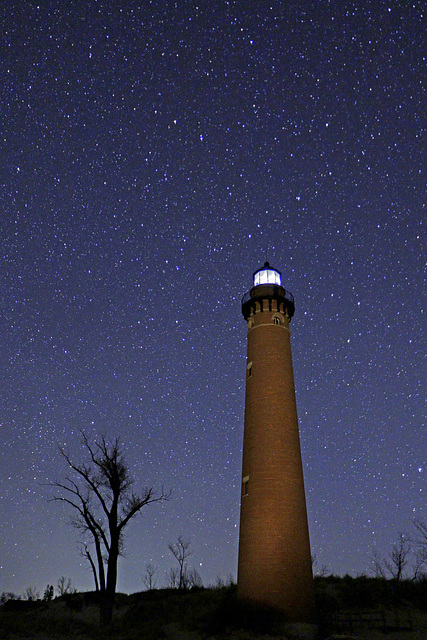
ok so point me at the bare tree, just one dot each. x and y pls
(182, 577)
(31, 594)
(149, 577)
(173, 578)
(223, 583)
(322, 572)
(421, 538)
(378, 565)
(194, 579)
(101, 495)
(181, 551)
(190, 578)
(64, 586)
(398, 558)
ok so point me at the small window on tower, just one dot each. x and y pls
(249, 369)
(245, 487)
(277, 320)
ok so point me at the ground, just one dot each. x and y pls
(213, 614)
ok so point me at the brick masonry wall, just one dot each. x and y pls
(274, 549)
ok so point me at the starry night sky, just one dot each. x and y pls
(153, 156)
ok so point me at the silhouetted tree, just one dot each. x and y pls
(421, 537)
(8, 595)
(194, 579)
(319, 573)
(395, 563)
(181, 577)
(65, 586)
(420, 540)
(149, 577)
(181, 551)
(398, 558)
(48, 593)
(173, 578)
(378, 565)
(101, 494)
(31, 594)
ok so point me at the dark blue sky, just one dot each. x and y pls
(153, 156)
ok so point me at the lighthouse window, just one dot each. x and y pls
(249, 369)
(245, 482)
(267, 276)
(276, 320)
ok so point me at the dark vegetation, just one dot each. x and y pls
(376, 602)
(215, 613)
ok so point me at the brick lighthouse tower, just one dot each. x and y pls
(274, 547)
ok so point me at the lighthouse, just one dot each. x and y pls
(274, 565)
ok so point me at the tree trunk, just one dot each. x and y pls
(106, 605)
(101, 572)
(107, 597)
